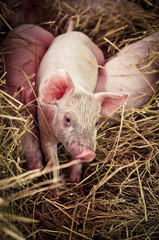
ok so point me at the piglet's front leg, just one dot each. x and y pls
(31, 149)
(76, 170)
(49, 148)
(75, 173)
(30, 140)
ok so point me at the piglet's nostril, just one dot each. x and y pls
(87, 156)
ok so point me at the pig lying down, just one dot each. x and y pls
(25, 46)
(129, 72)
(69, 109)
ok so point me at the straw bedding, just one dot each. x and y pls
(118, 197)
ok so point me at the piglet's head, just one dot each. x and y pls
(73, 113)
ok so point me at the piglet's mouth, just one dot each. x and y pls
(87, 156)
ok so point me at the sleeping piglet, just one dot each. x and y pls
(24, 48)
(132, 71)
(69, 110)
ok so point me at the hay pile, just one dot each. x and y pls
(118, 197)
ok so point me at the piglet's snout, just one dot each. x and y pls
(86, 156)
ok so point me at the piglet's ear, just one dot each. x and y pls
(110, 102)
(54, 88)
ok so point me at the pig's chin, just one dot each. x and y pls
(86, 156)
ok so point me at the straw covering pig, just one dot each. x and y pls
(24, 48)
(69, 110)
(132, 71)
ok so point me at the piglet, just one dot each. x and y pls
(132, 71)
(24, 48)
(69, 110)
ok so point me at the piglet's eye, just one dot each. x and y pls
(67, 121)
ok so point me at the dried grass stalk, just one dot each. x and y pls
(118, 197)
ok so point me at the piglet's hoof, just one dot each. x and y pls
(34, 160)
(75, 173)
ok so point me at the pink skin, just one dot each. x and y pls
(25, 47)
(122, 74)
(69, 110)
